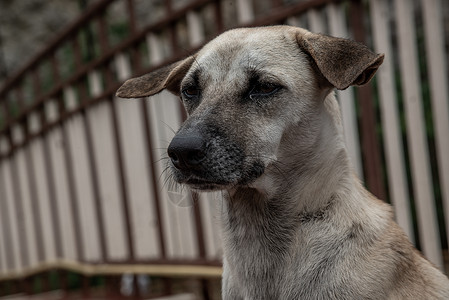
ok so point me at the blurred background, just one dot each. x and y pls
(85, 208)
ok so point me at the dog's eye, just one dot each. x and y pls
(191, 92)
(263, 89)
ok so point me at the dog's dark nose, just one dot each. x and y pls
(187, 150)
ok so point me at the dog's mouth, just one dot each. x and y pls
(203, 181)
(201, 184)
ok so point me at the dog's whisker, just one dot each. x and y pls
(169, 127)
(161, 159)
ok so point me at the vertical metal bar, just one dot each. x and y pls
(120, 160)
(122, 178)
(49, 170)
(196, 207)
(152, 173)
(152, 170)
(104, 45)
(55, 69)
(27, 285)
(45, 279)
(73, 195)
(173, 39)
(132, 16)
(74, 206)
(77, 51)
(52, 189)
(168, 6)
(18, 200)
(35, 204)
(85, 287)
(370, 143)
(276, 3)
(63, 282)
(92, 161)
(36, 84)
(135, 54)
(37, 226)
(167, 282)
(96, 186)
(218, 16)
(16, 284)
(20, 98)
(113, 287)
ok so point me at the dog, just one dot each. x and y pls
(264, 127)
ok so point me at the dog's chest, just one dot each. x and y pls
(272, 254)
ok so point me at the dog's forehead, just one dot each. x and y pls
(247, 46)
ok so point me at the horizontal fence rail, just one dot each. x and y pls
(83, 179)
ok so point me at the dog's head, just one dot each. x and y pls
(243, 91)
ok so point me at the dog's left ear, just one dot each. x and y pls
(168, 77)
(341, 61)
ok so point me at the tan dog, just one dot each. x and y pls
(264, 126)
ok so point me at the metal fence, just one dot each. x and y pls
(81, 190)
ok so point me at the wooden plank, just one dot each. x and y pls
(56, 148)
(9, 206)
(419, 156)
(245, 11)
(8, 265)
(37, 223)
(394, 153)
(4, 145)
(165, 120)
(17, 134)
(94, 83)
(438, 76)
(195, 29)
(298, 21)
(160, 143)
(155, 109)
(155, 51)
(143, 218)
(337, 27)
(315, 20)
(205, 203)
(28, 214)
(372, 161)
(19, 216)
(105, 156)
(83, 184)
(185, 224)
(48, 234)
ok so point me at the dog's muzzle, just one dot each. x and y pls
(209, 160)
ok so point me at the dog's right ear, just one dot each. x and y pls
(168, 77)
